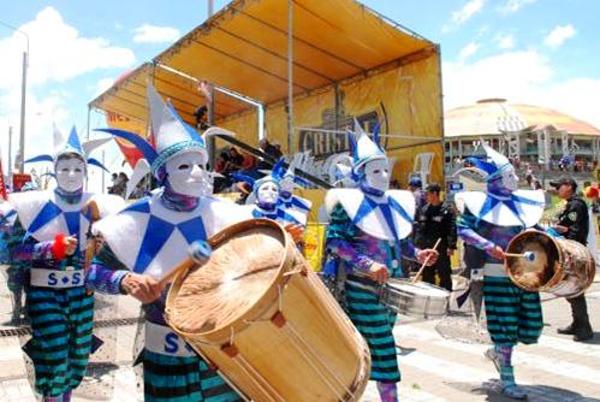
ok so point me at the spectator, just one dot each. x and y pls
(415, 185)
(236, 160)
(573, 224)
(436, 220)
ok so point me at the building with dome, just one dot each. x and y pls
(528, 134)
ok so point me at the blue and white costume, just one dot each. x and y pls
(58, 303)
(153, 235)
(489, 221)
(368, 226)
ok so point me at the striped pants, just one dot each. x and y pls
(62, 323)
(513, 314)
(183, 379)
(375, 323)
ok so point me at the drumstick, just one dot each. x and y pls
(91, 208)
(199, 253)
(416, 278)
(528, 255)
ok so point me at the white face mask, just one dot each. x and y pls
(377, 174)
(187, 174)
(510, 180)
(70, 174)
(267, 193)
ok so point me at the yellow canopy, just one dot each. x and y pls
(244, 48)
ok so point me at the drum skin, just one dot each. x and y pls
(562, 267)
(288, 340)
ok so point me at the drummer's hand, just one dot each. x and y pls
(297, 232)
(379, 273)
(70, 245)
(561, 229)
(143, 287)
(496, 252)
(430, 255)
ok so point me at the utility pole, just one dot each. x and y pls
(10, 167)
(23, 96)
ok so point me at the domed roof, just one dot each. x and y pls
(492, 116)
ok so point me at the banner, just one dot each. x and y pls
(314, 244)
(19, 180)
(131, 153)
(2, 184)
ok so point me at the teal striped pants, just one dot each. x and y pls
(183, 379)
(375, 322)
(513, 314)
(61, 323)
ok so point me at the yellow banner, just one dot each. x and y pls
(314, 245)
(405, 101)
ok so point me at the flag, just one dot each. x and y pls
(2, 184)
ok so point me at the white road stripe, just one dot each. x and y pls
(405, 392)
(444, 368)
(551, 365)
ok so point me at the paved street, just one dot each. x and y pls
(434, 368)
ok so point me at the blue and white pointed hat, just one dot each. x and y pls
(171, 134)
(71, 145)
(492, 166)
(363, 148)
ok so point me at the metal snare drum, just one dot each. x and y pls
(419, 299)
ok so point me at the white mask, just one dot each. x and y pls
(267, 193)
(187, 174)
(510, 180)
(377, 174)
(70, 174)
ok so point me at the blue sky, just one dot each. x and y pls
(530, 51)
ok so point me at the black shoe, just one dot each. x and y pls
(583, 334)
(568, 330)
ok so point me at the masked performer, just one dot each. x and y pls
(145, 241)
(288, 201)
(365, 242)
(488, 222)
(48, 238)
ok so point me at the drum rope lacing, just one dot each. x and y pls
(298, 343)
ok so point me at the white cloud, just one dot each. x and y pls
(521, 77)
(512, 6)
(102, 85)
(58, 53)
(506, 41)
(559, 35)
(147, 33)
(469, 50)
(461, 16)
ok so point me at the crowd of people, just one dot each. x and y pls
(72, 243)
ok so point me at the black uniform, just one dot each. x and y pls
(576, 218)
(437, 222)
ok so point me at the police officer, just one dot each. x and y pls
(573, 224)
(436, 220)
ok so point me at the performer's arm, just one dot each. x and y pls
(339, 241)
(106, 272)
(26, 250)
(465, 224)
(452, 234)
(408, 249)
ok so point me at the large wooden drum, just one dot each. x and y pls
(562, 267)
(257, 312)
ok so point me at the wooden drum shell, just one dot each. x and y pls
(294, 344)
